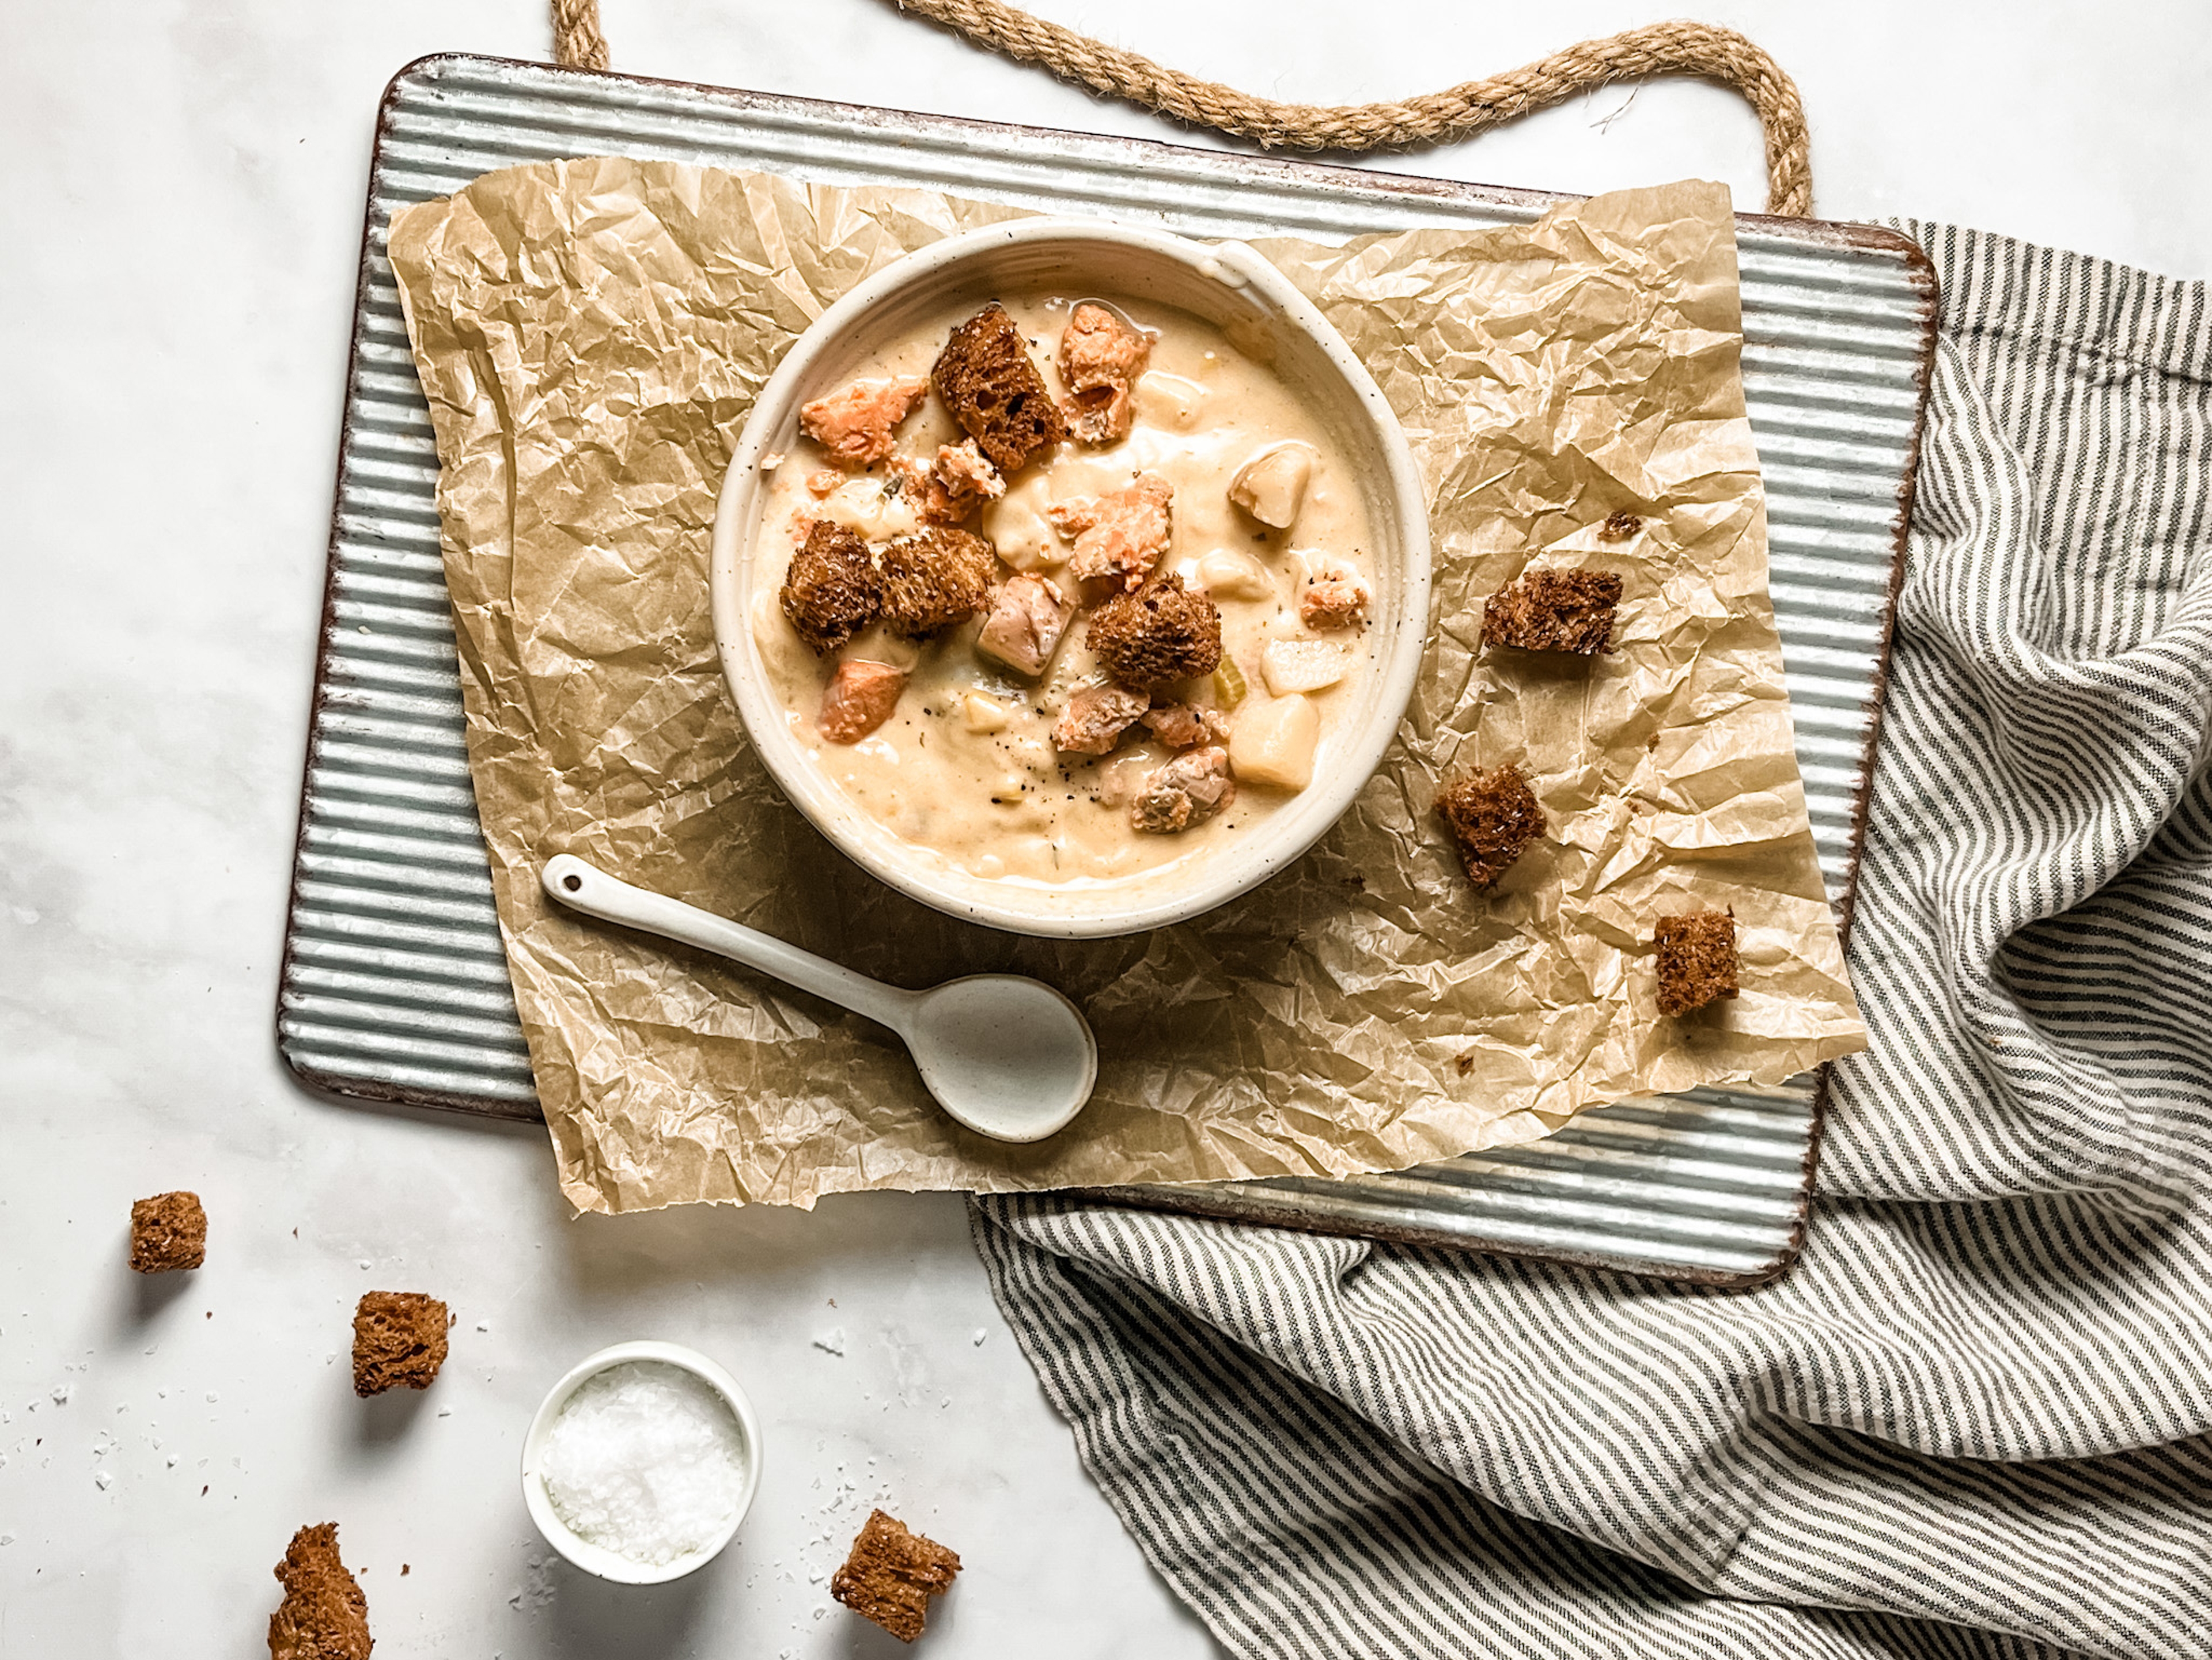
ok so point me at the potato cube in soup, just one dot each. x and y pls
(1227, 573)
(1297, 665)
(1272, 485)
(1170, 400)
(1273, 741)
(981, 712)
(1015, 525)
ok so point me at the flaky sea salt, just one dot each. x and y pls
(646, 1460)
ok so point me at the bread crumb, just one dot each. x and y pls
(167, 1231)
(1568, 610)
(324, 1615)
(831, 590)
(1158, 636)
(1492, 816)
(399, 1341)
(932, 580)
(1697, 960)
(987, 381)
(890, 1575)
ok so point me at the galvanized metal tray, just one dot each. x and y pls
(395, 984)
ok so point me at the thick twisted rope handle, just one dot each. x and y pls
(1675, 48)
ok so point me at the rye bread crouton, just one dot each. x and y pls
(1569, 611)
(1492, 816)
(987, 381)
(167, 1231)
(1162, 634)
(891, 1573)
(399, 1341)
(831, 590)
(324, 1615)
(935, 578)
(1697, 960)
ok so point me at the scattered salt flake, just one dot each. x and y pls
(483, 1325)
(977, 1340)
(103, 1481)
(364, 1265)
(831, 1342)
(445, 1412)
(62, 1394)
(211, 1397)
(173, 1461)
(647, 1460)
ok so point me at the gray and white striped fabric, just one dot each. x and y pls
(1976, 1420)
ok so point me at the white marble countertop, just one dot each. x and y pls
(184, 181)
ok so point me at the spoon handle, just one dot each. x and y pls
(585, 887)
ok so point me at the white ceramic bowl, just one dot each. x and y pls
(1226, 284)
(598, 1558)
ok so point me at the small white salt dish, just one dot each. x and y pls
(597, 1559)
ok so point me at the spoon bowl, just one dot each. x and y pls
(1009, 1057)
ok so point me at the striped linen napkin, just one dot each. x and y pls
(1976, 1419)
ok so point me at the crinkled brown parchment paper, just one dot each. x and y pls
(590, 335)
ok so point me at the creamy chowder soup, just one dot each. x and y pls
(1075, 722)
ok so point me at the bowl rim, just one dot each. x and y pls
(1237, 867)
(596, 1558)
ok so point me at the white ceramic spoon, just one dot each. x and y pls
(1009, 1057)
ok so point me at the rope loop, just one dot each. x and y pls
(1658, 49)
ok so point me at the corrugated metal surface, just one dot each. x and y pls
(395, 982)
